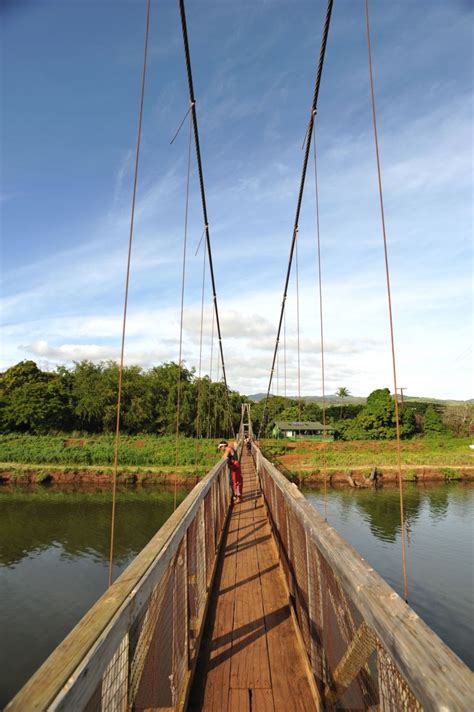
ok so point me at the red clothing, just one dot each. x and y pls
(237, 481)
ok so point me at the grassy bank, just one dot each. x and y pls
(422, 458)
(139, 451)
(440, 452)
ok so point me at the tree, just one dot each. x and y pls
(342, 393)
(432, 421)
(377, 419)
(459, 419)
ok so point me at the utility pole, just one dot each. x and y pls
(401, 394)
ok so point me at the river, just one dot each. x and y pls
(440, 548)
(54, 544)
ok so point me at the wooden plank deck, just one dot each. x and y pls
(250, 658)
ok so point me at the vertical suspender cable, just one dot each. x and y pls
(321, 323)
(284, 349)
(297, 278)
(127, 281)
(183, 279)
(198, 419)
(308, 139)
(387, 274)
(210, 378)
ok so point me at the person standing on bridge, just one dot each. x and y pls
(230, 454)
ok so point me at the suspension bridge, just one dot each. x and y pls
(255, 606)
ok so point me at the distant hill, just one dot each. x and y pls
(356, 400)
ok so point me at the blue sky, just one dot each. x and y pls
(69, 98)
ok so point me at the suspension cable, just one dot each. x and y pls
(321, 321)
(309, 135)
(389, 298)
(125, 305)
(297, 279)
(198, 420)
(284, 349)
(183, 280)
(192, 100)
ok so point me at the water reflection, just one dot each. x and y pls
(439, 526)
(78, 519)
(54, 548)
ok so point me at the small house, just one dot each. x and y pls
(296, 429)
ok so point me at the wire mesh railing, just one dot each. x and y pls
(136, 649)
(367, 648)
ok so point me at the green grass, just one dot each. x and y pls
(98, 450)
(443, 451)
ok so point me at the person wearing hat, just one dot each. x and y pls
(236, 481)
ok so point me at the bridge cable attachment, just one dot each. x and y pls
(389, 298)
(181, 124)
(127, 281)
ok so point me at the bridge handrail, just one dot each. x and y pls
(91, 668)
(436, 677)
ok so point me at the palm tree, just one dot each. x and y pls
(342, 393)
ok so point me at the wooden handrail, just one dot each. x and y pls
(435, 674)
(69, 677)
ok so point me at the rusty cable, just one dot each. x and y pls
(183, 280)
(321, 321)
(297, 280)
(198, 419)
(127, 282)
(389, 298)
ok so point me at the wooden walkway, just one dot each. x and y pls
(250, 658)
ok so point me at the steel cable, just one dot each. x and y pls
(183, 280)
(321, 322)
(389, 298)
(192, 100)
(127, 282)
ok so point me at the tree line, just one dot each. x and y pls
(84, 398)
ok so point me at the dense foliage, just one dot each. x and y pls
(84, 399)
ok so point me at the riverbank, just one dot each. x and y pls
(423, 459)
(363, 477)
(185, 475)
(189, 475)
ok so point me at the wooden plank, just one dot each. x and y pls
(239, 701)
(291, 686)
(252, 700)
(72, 672)
(434, 673)
(250, 665)
(214, 663)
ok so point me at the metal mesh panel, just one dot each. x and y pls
(395, 696)
(299, 572)
(180, 613)
(351, 668)
(152, 680)
(115, 681)
(209, 534)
